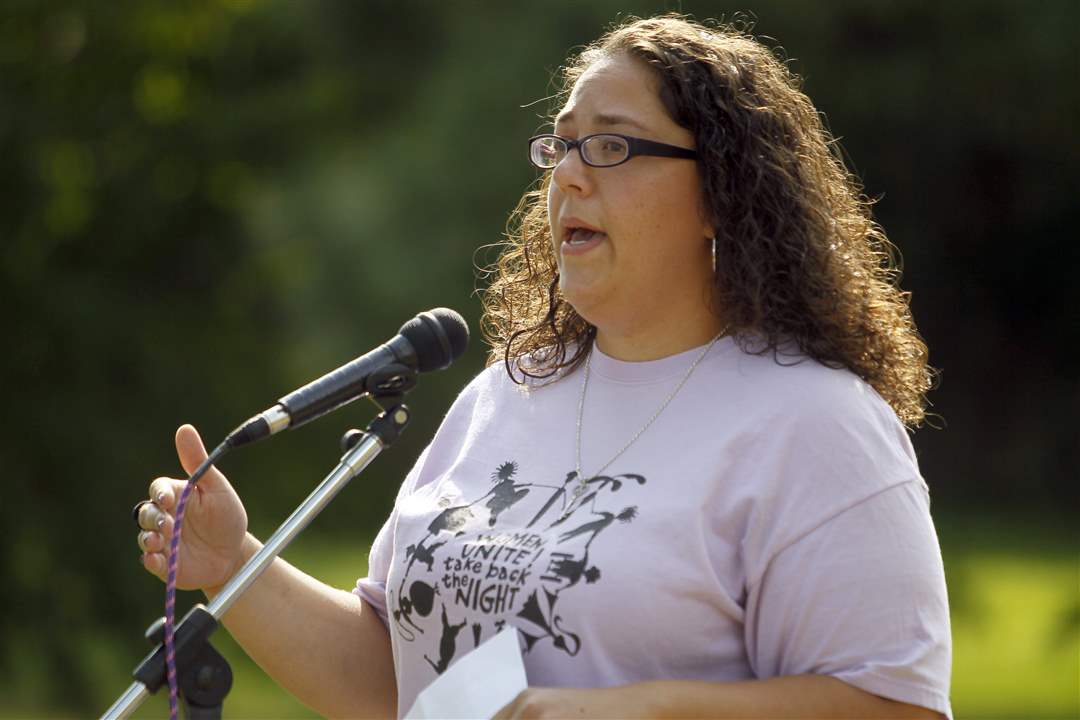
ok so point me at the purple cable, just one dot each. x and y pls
(170, 580)
(170, 604)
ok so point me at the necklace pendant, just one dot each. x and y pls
(574, 497)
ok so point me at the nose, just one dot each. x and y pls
(572, 175)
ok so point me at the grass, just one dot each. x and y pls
(1017, 654)
(1015, 596)
(1014, 590)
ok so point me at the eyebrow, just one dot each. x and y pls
(603, 119)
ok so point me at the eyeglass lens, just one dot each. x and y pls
(547, 152)
(604, 150)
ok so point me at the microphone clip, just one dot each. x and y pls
(387, 427)
(390, 382)
(385, 388)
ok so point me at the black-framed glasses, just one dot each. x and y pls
(599, 150)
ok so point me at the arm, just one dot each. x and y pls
(325, 646)
(793, 696)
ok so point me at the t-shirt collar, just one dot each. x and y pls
(648, 371)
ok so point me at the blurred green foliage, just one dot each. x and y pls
(206, 204)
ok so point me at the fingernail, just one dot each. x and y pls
(160, 522)
(160, 497)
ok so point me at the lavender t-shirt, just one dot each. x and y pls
(771, 521)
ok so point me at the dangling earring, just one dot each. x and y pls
(714, 267)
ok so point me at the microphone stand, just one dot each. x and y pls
(203, 675)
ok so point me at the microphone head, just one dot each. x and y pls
(438, 336)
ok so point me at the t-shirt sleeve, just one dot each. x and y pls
(860, 597)
(447, 444)
(372, 588)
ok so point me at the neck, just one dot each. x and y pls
(653, 343)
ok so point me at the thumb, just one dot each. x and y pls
(191, 451)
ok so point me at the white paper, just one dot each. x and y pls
(478, 685)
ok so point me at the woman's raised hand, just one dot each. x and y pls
(214, 522)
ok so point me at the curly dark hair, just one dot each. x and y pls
(799, 256)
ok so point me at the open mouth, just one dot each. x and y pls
(582, 236)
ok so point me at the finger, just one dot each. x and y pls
(165, 525)
(165, 491)
(509, 711)
(150, 541)
(137, 509)
(192, 453)
(155, 564)
(151, 517)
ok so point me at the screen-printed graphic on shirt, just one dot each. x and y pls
(470, 574)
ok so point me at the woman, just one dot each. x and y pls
(684, 477)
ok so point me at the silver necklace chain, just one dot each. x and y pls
(583, 479)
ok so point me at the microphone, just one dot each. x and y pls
(430, 341)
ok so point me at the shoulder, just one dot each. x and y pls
(477, 395)
(491, 413)
(491, 386)
(793, 398)
(486, 401)
(806, 443)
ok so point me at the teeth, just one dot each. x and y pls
(580, 236)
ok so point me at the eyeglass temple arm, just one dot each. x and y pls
(659, 149)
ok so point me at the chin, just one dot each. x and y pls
(588, 305)
(578, 298)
